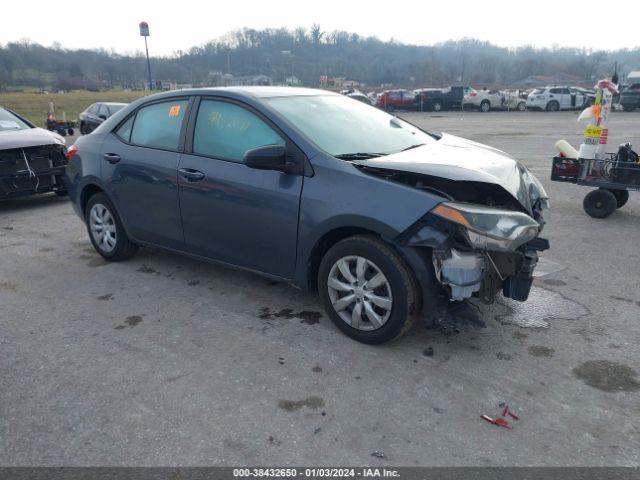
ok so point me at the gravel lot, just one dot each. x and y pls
(163, 360)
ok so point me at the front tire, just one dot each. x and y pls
(368, 290)
(437, 106)
(600, 203)
(105, 230)
(522, 106)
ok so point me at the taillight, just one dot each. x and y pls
(473, 94)
(71, 152)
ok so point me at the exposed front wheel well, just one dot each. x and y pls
(88, 192)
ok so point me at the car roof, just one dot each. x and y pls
(113, 103)
(249, 91)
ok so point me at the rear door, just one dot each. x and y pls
(230, 212)
(140, 164)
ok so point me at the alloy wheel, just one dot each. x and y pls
(360, 293)
(103, 228)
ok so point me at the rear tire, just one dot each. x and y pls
(522, 106)
(600, 203)
(437, 106)
(553, 106)
(485, 106)
(395, 283)
(105, 230)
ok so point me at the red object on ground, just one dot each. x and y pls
(501, 422)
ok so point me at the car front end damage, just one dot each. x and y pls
(31, 170)
(478, 251)
(32, 160)
(484, 237)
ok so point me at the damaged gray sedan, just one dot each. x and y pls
(389, 223)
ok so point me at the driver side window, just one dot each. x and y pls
(226, 131)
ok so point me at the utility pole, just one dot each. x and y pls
(144, 32)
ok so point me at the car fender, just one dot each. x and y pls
(360, 201)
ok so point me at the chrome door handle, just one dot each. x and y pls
(191, 175)
(111, 157)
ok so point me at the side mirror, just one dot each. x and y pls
(102, 117)
(270, 157)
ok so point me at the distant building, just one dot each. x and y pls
(245, 80)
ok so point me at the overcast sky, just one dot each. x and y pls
(181, 24)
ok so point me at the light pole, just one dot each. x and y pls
(144, 32)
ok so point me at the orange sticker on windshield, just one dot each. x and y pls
(174, 111)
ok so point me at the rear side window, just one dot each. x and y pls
(226, 131)
(158, 125)
(124, 130)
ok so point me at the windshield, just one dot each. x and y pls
(341, 126)
(538, 91)
(8, 121)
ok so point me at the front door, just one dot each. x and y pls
(230, 212)
(140, 164)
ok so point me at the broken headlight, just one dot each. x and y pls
(488, 228)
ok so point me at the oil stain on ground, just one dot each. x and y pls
(131, 321)
(146, 269)
(308, 317)
(11, 287)
(608, 376)
(541, 307)
(105, 297)
(312, 402)
(540, 351)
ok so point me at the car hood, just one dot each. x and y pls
(455, 158)
(32, 137)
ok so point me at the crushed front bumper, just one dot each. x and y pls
(462, 271)
(25, 171)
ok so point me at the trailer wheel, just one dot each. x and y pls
(622, 197)
(600, 203)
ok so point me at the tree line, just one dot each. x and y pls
(308, 54)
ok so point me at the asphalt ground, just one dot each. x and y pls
(163, 360)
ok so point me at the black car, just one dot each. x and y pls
(32, 159)
(630, 97)
(96, 114)
(440, 99)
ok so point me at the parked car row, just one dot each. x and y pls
(551, 98)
